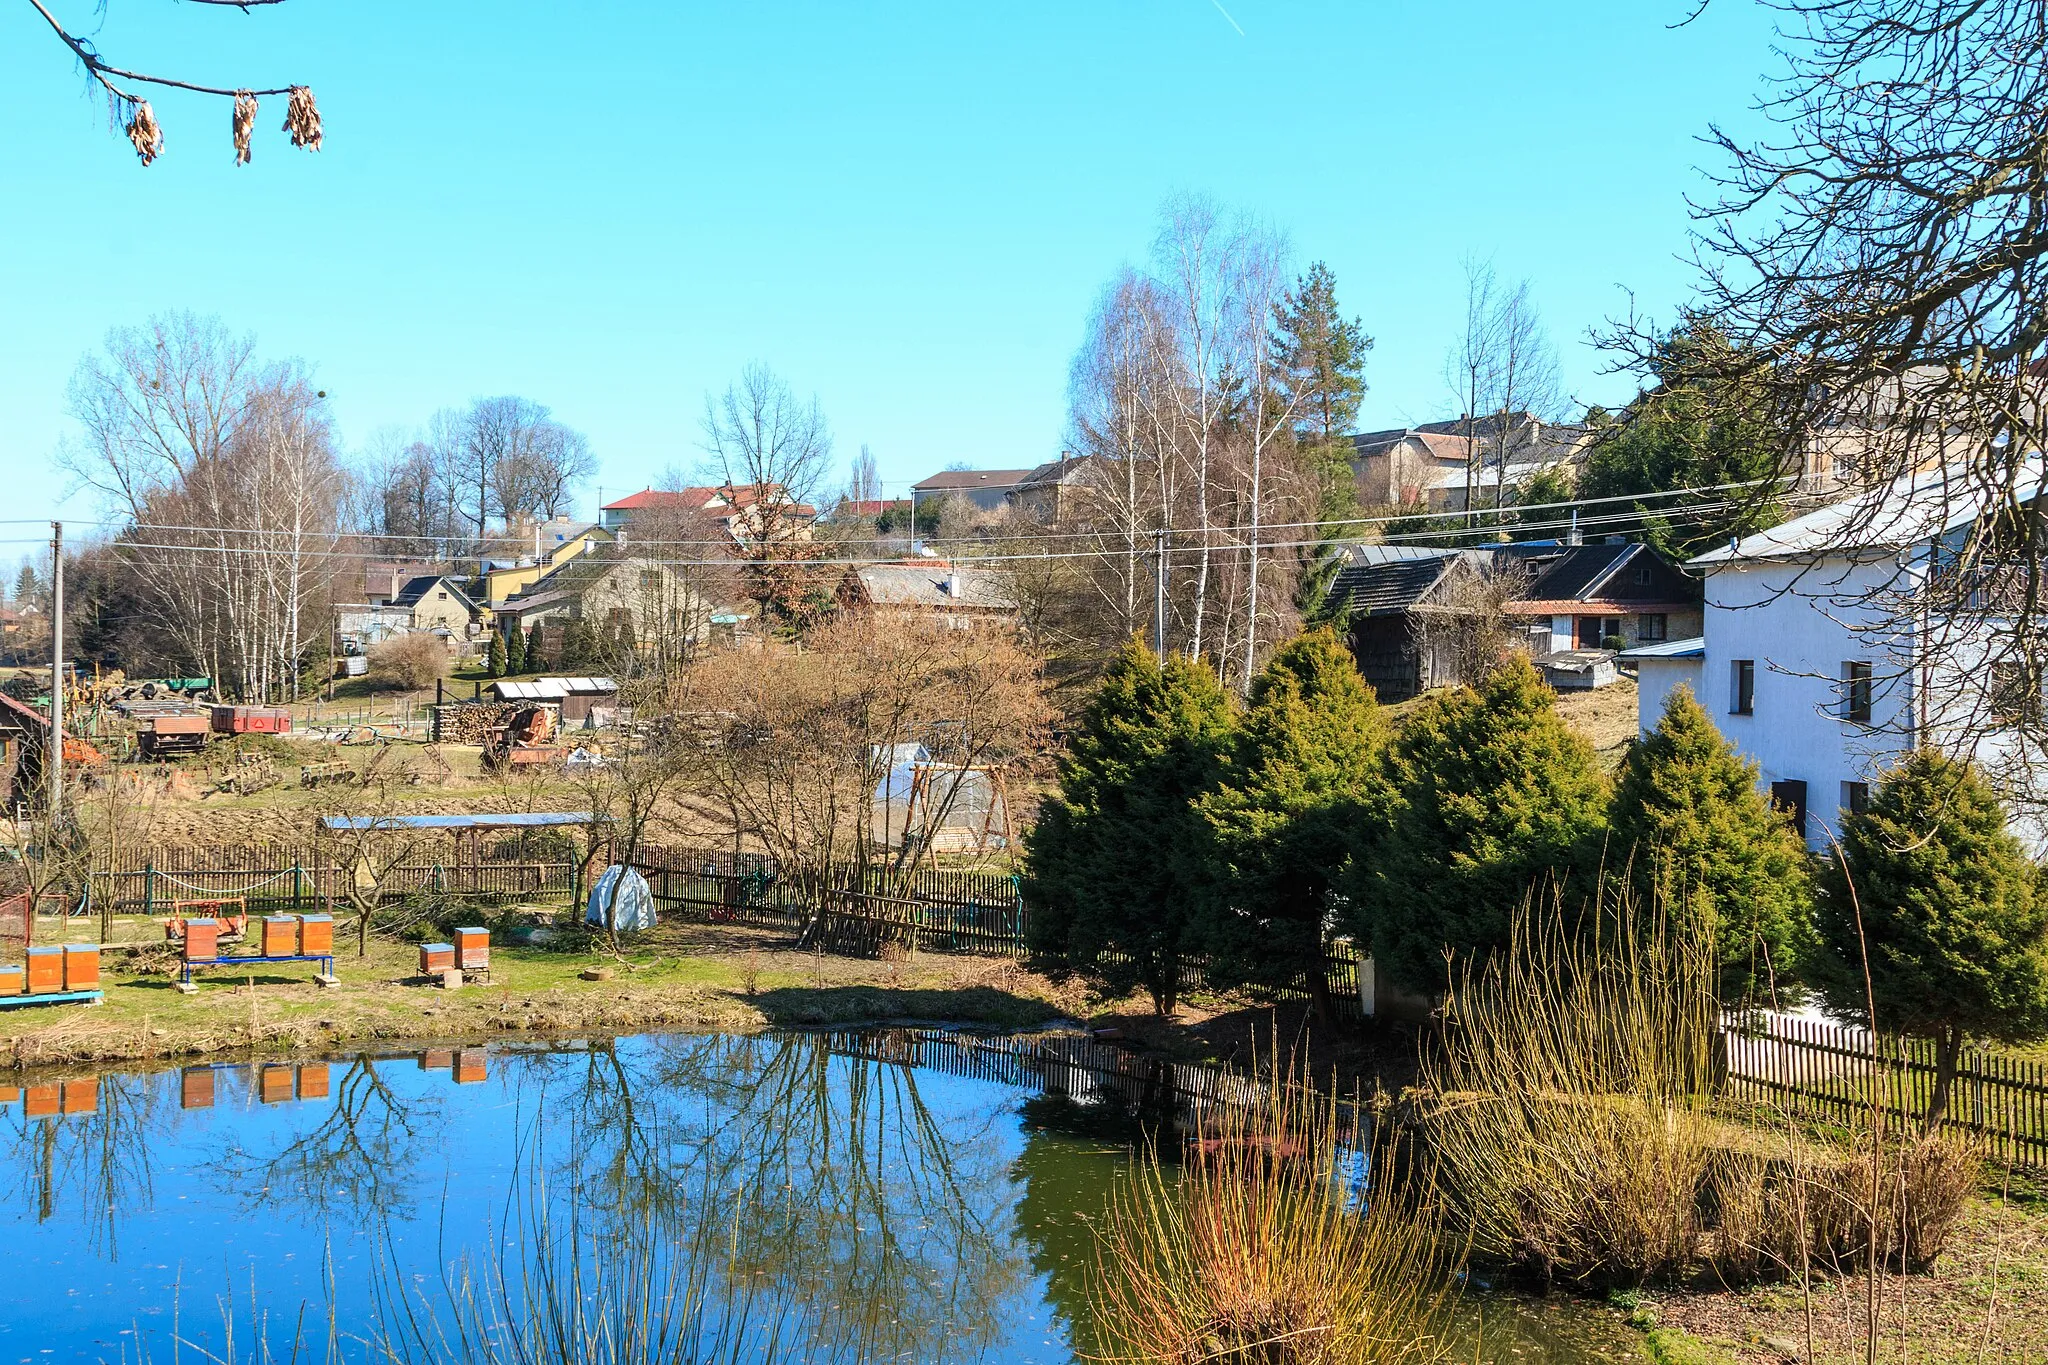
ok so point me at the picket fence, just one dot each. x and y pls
(1830, 1074)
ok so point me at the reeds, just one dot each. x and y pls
(1254, 1250)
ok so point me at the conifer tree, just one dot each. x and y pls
(1116, 862)
(515, 651)
(1299, 781)
(494, 656)
(579, 647)
(1321, 357)
(1493, 796)
(536, 651)
(1695, 839)
(1944, 906)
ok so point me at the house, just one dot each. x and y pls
(1834, 643)
(438, 603)
(928, 589)
(1558, 599)
(1057, 491)
(1432, 465)
(742, 511)
(555, 543)
(611, 586)
(23, 732)
(985, 488)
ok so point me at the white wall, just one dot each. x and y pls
(1800, 623)
(1655, 679)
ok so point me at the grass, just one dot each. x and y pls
(680, 976)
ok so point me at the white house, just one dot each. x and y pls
(1825, 653)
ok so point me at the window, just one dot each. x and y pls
(1855, 797)
(1742, 687)
(1857, 691)
(1651, 626)
(650, 580)
(2015, 694)
(1643, 575)
(1789, 797)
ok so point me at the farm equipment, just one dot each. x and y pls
(223, 917)
(251, 720)
(523, 740)
(167, 734)
(246, 773)
(336, 771)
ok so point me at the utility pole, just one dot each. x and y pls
(53, 751)
(1159, 592)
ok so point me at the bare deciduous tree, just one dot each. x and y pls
(772, 452)
(1501, 365)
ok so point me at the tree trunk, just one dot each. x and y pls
(1948, 1050)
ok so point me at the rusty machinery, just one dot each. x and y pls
(522, 740)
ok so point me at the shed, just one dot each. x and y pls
(1577, 670)
(574, 696)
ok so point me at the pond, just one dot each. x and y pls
(894, 1195)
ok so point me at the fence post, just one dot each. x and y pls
(148, 887)
(298, 884)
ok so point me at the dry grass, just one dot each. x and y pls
(1252, 1252)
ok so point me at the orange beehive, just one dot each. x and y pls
(469, 1066)
(9, 1093)
(81, 966)
(281, 936)
(195, 1088)
(436, 958)
(45, 971)
(316, 935)
(13, 980)
(274, 1084)
(472, 949)
(42, 1100)
(202, 940)
(79, 1097)
(313, 1081)
(434, 1058)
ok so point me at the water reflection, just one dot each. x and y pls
(848, 1197)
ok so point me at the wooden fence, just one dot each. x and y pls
(1828, 1073)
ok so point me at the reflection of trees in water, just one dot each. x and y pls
(365, 1153)
(880, 1230)
(94, 1166)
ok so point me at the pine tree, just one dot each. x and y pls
(494, 656)
(1116, 862)
(579, 647)
(1322, 374)
(515, 651)
(1695, 839)
(1944, 906)
(536, 651)
(1301, 779)
(1493, 796)
(28, 584)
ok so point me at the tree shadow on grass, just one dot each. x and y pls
(809, 1005)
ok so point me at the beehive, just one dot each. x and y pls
(13, 980)
(9, 1093)
(274, 1084)
(81, 966)
(45, 971)
(473, 949)
(313, 1081)
(469, 1066)
(79, 1097)
(434, 1058)
(202, 940)
(195, 1088)
(41, 1101)
(436, 958)
(316, 935)
(281, 936)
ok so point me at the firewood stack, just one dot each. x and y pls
(470, 722)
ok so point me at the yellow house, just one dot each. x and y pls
(558, 542)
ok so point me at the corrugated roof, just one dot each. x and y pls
(955, 480)
(1903, 512)
(1577, 572)
(1692, 647)
(528, 820)
(920, 585)
(551, 689)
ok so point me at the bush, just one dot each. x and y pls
(1692, 834)
(408, 663)
(1493, 794)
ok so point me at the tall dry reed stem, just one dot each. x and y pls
(1256, 1249)
(1571, 1086)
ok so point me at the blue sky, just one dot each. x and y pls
(906, 208)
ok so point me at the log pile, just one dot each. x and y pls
(470, 722)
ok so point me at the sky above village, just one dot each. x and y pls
(906, 208)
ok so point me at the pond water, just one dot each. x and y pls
(835, 1197)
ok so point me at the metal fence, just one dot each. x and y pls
(1830, 1073)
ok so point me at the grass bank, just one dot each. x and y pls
(708, 977)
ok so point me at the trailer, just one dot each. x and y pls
(251, 720)
(170, 735)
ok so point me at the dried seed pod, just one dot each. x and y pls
(302, 118)
(144, 131)
(245, 123)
